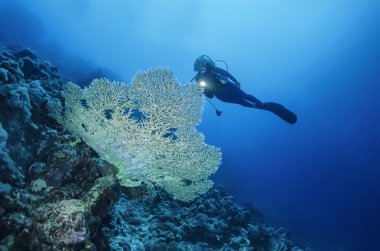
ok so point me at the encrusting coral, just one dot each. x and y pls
(146, 129)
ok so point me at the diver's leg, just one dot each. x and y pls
(280, 111)
(246, 103)
(275, 108)
(256, 102)
(231, 94)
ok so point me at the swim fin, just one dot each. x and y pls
(280, 111)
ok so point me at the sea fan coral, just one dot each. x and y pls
(146, 129)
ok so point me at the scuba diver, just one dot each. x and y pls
(220, 83)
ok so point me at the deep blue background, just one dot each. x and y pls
(321, 59)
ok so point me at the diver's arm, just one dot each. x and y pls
(227, 74)
(195, 77)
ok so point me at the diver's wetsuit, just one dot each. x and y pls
(225, 87)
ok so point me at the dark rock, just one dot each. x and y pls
(26, 53)
(36, 170)
(61, 224)
(13, 67)
(6, 54)
(29, 68)
(5, 189)
(15, 106)
(60, 165)
(15, 221)
(254, 233)
(10, 172)
(2, 210)
(5, 76)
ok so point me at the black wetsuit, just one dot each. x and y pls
(225, 87)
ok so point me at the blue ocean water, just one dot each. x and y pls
(321, 59)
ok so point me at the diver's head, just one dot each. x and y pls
(202, 63)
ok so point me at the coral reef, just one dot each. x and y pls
(211, 222)
(24, 64)
(56, 193)
(50, 185)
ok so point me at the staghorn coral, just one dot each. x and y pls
(146, 129)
